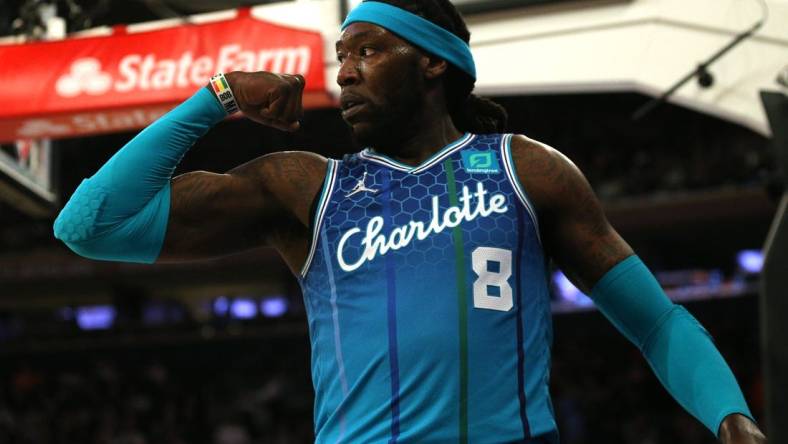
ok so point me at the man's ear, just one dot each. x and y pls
(433, 67)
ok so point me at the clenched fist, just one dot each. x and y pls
(738, 429)
(271, 99)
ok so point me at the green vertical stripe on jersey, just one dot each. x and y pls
(462, 303)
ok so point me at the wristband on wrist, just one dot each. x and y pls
(223, 92)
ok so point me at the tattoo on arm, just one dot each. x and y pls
(575, 231)
(211, 215)
(194, 191)
(262, 202)
(297, 180)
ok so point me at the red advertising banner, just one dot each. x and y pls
(82, 86)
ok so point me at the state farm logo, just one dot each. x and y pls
(138, 72)
(85, 76)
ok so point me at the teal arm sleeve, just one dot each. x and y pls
(679, 350)
(121, 212)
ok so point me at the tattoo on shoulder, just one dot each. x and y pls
(547, 174)
(300, 173)
(295, 179)
(301, 170)
(563, 196)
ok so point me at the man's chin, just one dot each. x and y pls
(365, 134)
(381, 133)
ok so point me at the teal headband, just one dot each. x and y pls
(416, 30)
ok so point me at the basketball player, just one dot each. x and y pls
(423, 258)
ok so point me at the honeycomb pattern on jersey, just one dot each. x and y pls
(411, 200)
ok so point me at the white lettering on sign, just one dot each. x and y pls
(90, 123)
(103, 122)
(285, 60)
(35, 128)
(138, 72)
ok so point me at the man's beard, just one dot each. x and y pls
(385, 127)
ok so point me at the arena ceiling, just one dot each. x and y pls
(83, 14)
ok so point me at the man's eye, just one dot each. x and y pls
(367, 52)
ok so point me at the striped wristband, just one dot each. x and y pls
(223, 92)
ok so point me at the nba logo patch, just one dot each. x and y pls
(480, 162)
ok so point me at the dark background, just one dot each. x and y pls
(687, 190)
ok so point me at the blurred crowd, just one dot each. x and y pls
(113, 400)
(672, 150)
(603, 390)
(639, 171)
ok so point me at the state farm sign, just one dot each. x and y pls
(145, 72)
(122, 77)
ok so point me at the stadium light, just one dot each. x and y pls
(96, 317)
(751, 261)
(568, 292)
(274, 306)
(243, 308)
(220, 306)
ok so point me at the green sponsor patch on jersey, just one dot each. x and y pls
(480, 162)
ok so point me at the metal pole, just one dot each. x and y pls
(655, 102)
(774, 312)
(774, 285)
(343, 10)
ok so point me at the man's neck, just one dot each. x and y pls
(423, 141)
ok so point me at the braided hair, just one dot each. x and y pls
(469, 112)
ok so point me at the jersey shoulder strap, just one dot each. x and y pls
(514, 180)
(320, 204)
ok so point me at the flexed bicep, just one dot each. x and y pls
(249, 206)
(122, 213)
(212, 215)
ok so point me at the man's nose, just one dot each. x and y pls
(348, 73)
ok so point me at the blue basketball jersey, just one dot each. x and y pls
(428, 303)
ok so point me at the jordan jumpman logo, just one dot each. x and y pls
(361, 187)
